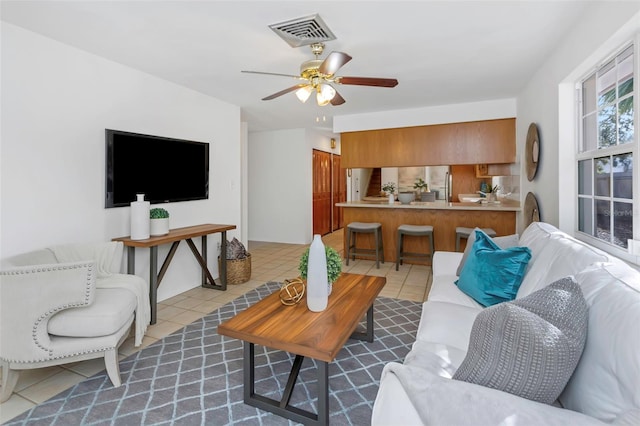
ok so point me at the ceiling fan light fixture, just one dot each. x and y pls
(303, 93)
(324, 94)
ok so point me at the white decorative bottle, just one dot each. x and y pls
(317, 294)
(140, 221)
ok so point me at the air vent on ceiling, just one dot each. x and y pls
(303, 31)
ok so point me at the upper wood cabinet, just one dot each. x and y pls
(490, 170)
(476, 142)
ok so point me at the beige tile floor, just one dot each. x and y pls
(270, 262)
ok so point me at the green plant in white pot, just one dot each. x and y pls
(334, 265)
(390, 188)
(159, 221)
(421, 186)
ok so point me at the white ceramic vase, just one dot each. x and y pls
(392, 198)
(317, 288)
(140, 218)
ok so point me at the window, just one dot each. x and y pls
(606, 151)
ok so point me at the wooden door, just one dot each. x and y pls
(321, 192)
(339, 193)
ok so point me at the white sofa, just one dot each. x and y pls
(604, 388)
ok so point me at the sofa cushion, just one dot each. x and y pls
(445, 263)
(529, 347)
(502, 242)
(438, 358)
(442, 287)
(446, 323)
(111, 309)
(492, 275)
(554, 255)
(628, 418)
(437, 400)
(606, 383)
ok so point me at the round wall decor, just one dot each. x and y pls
(532, 151)
(531, 210)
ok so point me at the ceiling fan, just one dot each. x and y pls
(317, 75)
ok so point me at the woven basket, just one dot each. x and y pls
(238, 270)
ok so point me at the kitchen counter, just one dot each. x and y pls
(503, 205)
(443, 216)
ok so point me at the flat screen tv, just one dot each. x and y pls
(164, 169)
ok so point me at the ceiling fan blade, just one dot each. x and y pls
(333, 63)
(368, 81)
(337, 100)
(297, 77)
(284, 92)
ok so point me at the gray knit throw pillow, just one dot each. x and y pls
(531, 346)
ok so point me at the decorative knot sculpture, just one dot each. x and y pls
(292, 291)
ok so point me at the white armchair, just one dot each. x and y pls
(54, 313)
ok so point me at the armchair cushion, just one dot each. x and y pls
(112, 308)
(108, 257)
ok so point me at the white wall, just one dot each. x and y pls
(244, 236)
(358, 184)
(56, 103)
(389, 174)
(280, 207)
(538, 103)
(440, 114)
(280, 181)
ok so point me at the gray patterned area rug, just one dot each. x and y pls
(194, 376)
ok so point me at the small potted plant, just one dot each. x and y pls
(159, 221)
(421, 186)
(334, 265)
(390, 188)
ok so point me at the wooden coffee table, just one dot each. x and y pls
(295, 329)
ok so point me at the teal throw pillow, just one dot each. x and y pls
(493, 275)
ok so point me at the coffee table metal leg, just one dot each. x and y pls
(323, 392)
(370, 324)
(368, 334)
(282, 407)
(249, 371)
(291, 382)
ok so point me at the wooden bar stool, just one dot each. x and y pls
(415, 230)
(462, 232)
(374, 228)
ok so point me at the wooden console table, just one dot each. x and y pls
(174, 237)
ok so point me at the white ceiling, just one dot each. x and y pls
(441, 52)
